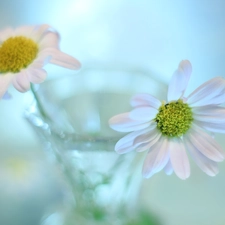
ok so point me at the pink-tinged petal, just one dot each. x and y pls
(156, 158)
(179, 81)
(211, 92)
(61, 59)
(6, 33)
(36, 76)
(5, 81)
(123, 123)
(147, 136)
(210, 119)
(126, 144)
(50, 40)
(206, 165)
(40, 31)
(154, 138)
(145, 100)
(212, 127)
(205, 144)
(209, 110)
(210, 114)
(143, 113)
(24, 31)
(179, 158)
(41, 60)
(168, 169)
(21, 82)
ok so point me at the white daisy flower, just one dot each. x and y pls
(23, 53)
(168, 129)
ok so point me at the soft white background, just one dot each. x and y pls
(154, 34)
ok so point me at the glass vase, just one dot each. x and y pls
(70, 115)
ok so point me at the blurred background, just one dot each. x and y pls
(149, 34)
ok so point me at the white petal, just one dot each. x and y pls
(36, 76)
(209, 110)
(156, 158)
(212, 127)
(147, 136)
(210, 119)
(126, 143)
(145, 100)
(61, 59)
(5, 80)
(168, 169)
(206, 165)
(178, 158)
(143, 113)
(21, 82)
(123, 123)
(179, 81)
(209, 114)
(6, 33)
(143, 146)
(211, 92)
(205, 144)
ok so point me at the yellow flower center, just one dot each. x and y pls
(174, 119)
(17, 53)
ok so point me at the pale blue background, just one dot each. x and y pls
(151, 34)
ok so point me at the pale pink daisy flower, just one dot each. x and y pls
(167, 129)
(25, 51)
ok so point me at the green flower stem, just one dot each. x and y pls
(38, 102)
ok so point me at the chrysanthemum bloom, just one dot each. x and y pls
(167, 129)
(23, 53)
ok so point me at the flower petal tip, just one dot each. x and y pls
(121, 151)
(213, 173)
(186, 66)
(146, 175)
(183, 176)
(7, 96)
